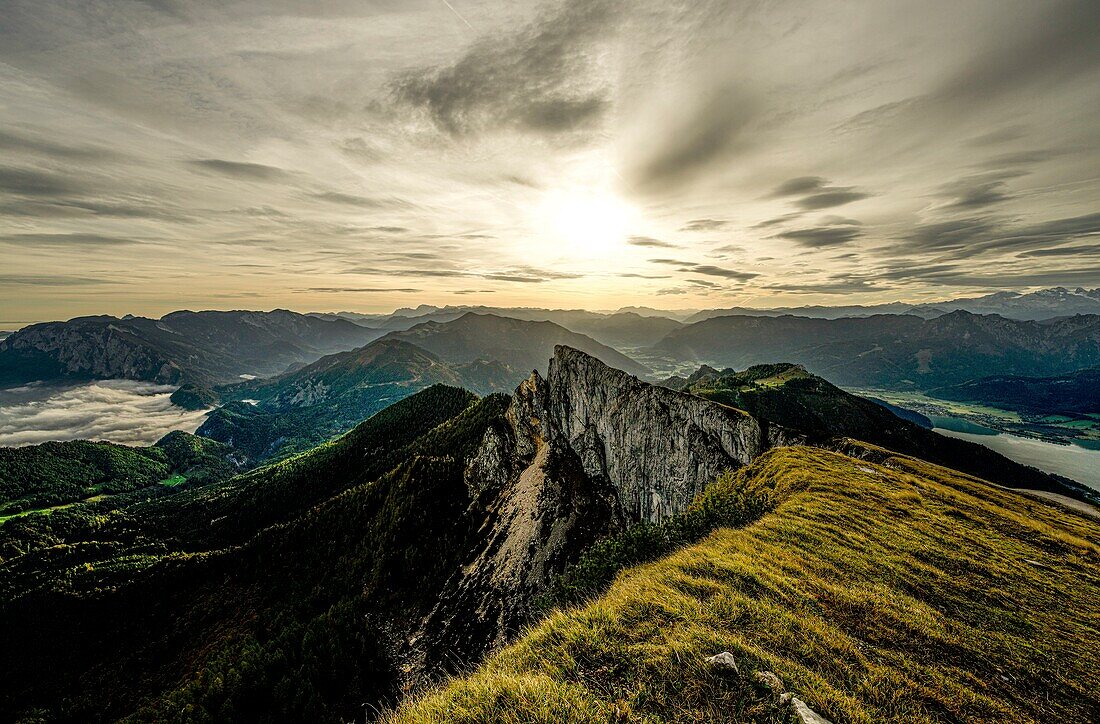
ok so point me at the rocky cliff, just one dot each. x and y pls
(90, 347)
(581, 453)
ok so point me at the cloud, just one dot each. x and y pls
(30, 182)
(648, 241)
(705, 225)
(971, 236)
(799, 186)
(705, 269)
(975, 192)
(13, 141)
(538, 79)
(365, 290)
(720, 272)
(241, 170)
(133, 413)
(46, 280)
(704, 136)
(1086, 250)
(822, 235)
(362, 202)
(1060, 47)
(815, 193)
(838, 285)
(73, 240)
(828, 199)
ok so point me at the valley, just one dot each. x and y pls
(1080, 428)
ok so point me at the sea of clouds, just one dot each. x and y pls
(122, 411)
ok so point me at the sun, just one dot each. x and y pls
(587, 223)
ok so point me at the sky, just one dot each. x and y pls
(369, 154)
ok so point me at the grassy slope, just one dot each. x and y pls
(907, 593)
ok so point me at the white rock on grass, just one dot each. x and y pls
(805, 714)
(725, 661)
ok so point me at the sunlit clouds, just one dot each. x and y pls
(595, 153)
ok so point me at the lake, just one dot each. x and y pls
(1077, 462)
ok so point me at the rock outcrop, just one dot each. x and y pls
(586, 451)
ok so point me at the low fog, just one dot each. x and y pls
(122, 411)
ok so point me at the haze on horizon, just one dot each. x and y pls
(366, 155)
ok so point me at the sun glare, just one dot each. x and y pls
(588, 223)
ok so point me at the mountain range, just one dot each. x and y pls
(422, 540)
(198, 347)
(894, 351)
(1037, 305)
(292, 412)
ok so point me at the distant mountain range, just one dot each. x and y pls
(519, 344)
(894, 351)
(1038, 305)
(199, 347)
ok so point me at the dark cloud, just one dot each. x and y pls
(12, 141)
(777, 221)
(814, 193)
(1087, 250)
(705, 225)
(704, 283)
(831, 198)
(648, 241)
(31, 182)
(950, 234)
(362, 202)
(241, 170)
(63, 207)
(704, 136)
(715, 271)
(705, 269)
(365, 290)
(537, 79)
(972, 236)
(75, 240)
(822, 235)
(1062, 45)
(44, 280)
(521, 274)
(838, 285)
(975, 192)
(799, 186)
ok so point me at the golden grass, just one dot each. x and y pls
(896, 593)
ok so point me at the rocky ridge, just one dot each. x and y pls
(583, 452)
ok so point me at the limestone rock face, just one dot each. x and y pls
(656, 447)
(584, 452)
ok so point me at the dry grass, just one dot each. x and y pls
(896, 593)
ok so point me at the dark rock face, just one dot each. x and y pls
(581, 453)
(88, 350)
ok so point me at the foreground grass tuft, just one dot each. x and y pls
(901, 592)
